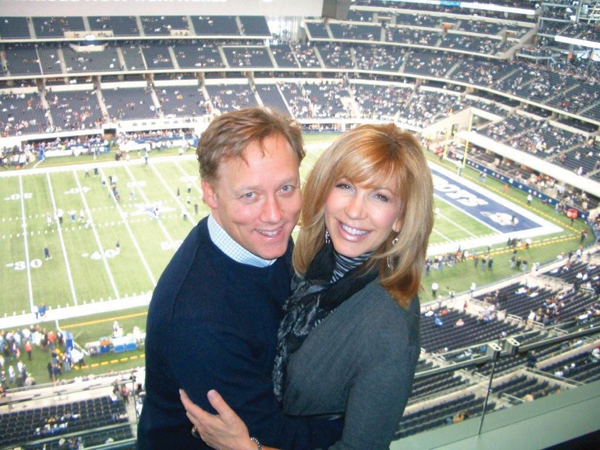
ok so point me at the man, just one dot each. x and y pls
(213, 318)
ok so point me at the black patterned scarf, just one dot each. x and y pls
(329, 281)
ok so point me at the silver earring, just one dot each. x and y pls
(327, 238)
(390, 259)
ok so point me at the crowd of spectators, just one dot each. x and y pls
(351, 31)
(555, 83)
(129, 103)
(486, 106)
(578, 199)
(229, 98)
(56, 26)
(430, 64)
(215, 25)
(182, 101)
(546, 139)
(284, 56)
(197, 55)
(247, 57)
(426, 108)
(484, 46)
(20, 59)
(163, 25)
(119, 25)
(74, 110)
(584, 158)
(381, 101)
(296, 99)
(481, 71)
(316, 100)
(379, 58)
(512, 126)
(13, 156)
(548, 313)
(22, 114)
(538, 50)
(326, 100)
(544, 84)
(413, 36)
(419, 20)
(337, 56)
(480, 27)
(306, 56)
(18, 345)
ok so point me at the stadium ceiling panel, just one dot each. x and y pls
(45, 8)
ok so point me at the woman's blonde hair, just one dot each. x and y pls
(375, 155)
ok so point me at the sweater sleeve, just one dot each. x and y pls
(225, 359)
(379, 393)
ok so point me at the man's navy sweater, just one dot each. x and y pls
(212, 324)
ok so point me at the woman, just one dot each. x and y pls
(349, 341)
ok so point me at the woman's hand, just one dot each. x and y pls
(224, 431)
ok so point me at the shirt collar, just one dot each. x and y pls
(231, 248)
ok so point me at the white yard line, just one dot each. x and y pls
(24, 227)
(442, 235)
(135, 241)
(454, 223)
(170, 191)
(98, 243)
(143, 195)
(62, 242)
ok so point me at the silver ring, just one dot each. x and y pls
(195, 432)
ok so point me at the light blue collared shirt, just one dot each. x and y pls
(235, 251)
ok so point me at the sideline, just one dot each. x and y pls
(95, 322)
(67, 167)
(85, 309)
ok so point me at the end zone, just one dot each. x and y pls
(504, 218)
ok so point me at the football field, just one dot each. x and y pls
(103, 249)
(110, 247)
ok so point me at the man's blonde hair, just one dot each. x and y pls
(230, 134)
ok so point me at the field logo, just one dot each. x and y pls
(456, 193)
(501, 218)
(152, 210)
